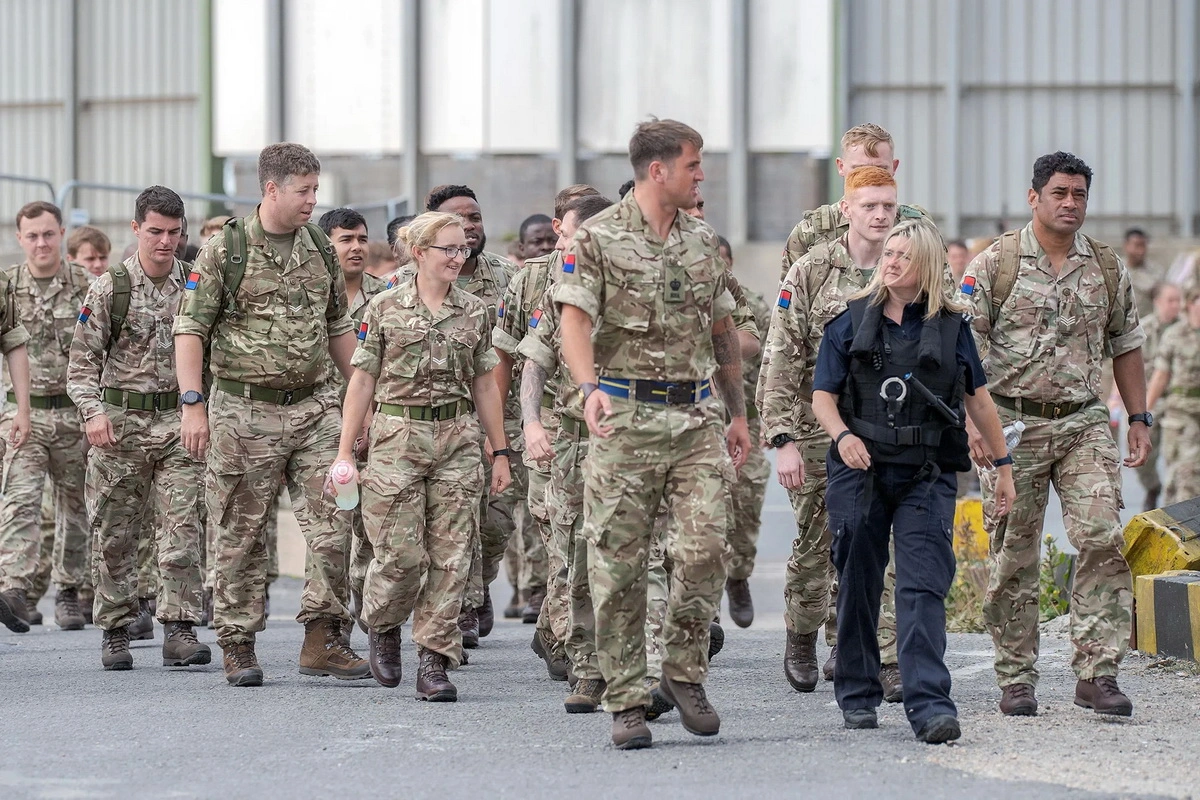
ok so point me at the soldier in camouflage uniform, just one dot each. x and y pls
(487, 275)
(1050, 305)
(15, 608)
(650, 281)
(1166, 299)
(813, 293)
(1177, 378)
(48, 293)
(347, 230)
(424, 356)
(141, 481)
(274, 411)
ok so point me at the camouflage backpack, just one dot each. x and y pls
(234, 268)
(536, 280)
(825, 227)
(1010, 264)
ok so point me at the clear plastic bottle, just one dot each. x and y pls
(345, 485)
(1012, 434)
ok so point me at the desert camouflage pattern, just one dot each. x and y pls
(826, 224)
(658, 595)
(653, 304)
(275, 333)
(147, 487)
(44, 321)
(371, 286)
(1144, 279)
(750, 488)
(1148, 473)
(1048, 343)
(1179, 354)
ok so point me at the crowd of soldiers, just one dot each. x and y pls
(612, 381)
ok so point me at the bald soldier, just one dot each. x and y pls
(267, 299)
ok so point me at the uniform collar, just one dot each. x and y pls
(59, 280)
(1030, 246)
(630, 213)
(407, 296)
(137, 275)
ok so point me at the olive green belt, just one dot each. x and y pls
(426, 413)
(575, 428)
(1181, 392)
(48, 401)
(162, 401)
(547, 400)
(280, 397)
(751, 411)
(1034, 408)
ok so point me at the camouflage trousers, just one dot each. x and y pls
(56, 448)
(1078, 456)
(254, 446)
(270, 535)
(748, 493)
(658, 593)
(810, 581)
(552, 619)
(146, 487)
(40, 582)
(564, 496)
(498, 517)
(419, 493)
(1181, 430)
(1148, 473)
(656, 453)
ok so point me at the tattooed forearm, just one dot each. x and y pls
(728, 377)
(533, 383)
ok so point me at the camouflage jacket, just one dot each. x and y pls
(1179, 354)
(371, 286)
(752, 366)
(828, 223)
(813, 293)
(12, 332)
(142, 358)
(419, 358)
(275, 333)
(521, 300)
(49, 317)
(542, 344)
(1050, 338)
(1155, 330)
(653, 303)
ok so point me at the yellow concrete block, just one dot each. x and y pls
(970, 538)
(1168, 613)
(1164, 539)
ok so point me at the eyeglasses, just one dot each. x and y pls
(452, 251)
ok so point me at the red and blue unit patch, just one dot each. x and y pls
(192, 281)
(500, 309)
(785, 299)
(968, 285)
(535, 319)
(84, 313)
(569, 263)
(362, 332)
(392, 281)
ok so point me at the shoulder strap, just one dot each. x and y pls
(1109, 267)
(1006, 276)
(820, 264)
(234, 268)
(120, 301)
(326, 248)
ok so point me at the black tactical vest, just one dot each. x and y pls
(881, 403)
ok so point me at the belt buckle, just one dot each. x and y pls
(677, 394)
(154, 404)
(1057, 411)
(287, 397)
(436, 413)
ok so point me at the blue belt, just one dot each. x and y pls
(673, 394)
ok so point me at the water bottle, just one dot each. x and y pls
(345, 485)
(1012, 434)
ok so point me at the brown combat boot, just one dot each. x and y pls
(1018, 700)
(1102, 695)
(142, 627)
(181, 648)
(689, 699)
(114, 649)
(556, 660)
(893, 689)
(385, 656)
(87, 603)
(530, 613)
(468, 625)
(658, 703)
(432, 683)
(325, 652)
(241, 665)
(14, 610)
(32, 615)
(716, 639)
(629, 729)
(487, 614)
(586, 697)
(513, 609)
(830, 664)
(800, 661)
(210, 619)
(741, 606)
(67, 614)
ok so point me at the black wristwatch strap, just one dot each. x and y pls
(586, 388)
(1004, 461)
(503, 451)
(841, 436)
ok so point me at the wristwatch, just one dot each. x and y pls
(585, 389)
(781, 439)
(191, 398)
(1146, 418)
(503, 451)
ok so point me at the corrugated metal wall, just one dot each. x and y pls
(137, 70)
(975, 90)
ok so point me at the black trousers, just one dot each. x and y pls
(864, 510)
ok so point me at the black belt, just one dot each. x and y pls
(136, 401)
(676, 393)
(280, 397)
(46, 401)
(1036, 409)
